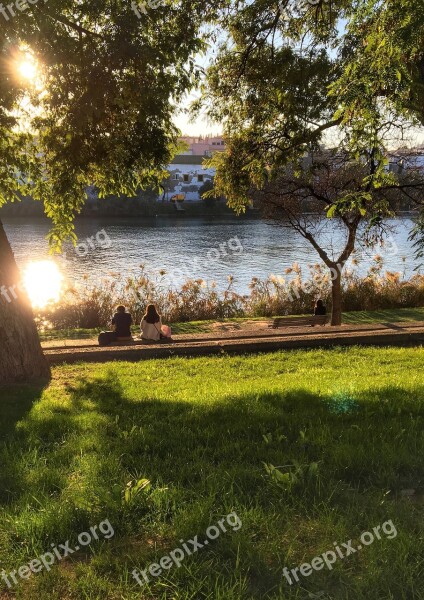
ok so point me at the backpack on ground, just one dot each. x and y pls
(106, 338)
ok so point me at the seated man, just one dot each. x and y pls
(122, 322)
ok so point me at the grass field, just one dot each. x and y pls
(304, 448)
(358, 317)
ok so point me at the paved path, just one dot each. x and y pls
(255, 337)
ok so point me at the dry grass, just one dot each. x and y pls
(196, 300)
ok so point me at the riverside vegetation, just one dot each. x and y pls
(91, 306)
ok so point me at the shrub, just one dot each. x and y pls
(91, 307)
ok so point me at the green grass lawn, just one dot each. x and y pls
(307, 448)
(395, 315)
(358, 317)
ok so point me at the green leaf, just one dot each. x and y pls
(331, 211)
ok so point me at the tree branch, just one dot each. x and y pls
(74, 26)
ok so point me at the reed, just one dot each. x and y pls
(196, 300)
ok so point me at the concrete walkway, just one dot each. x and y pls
(240, 339)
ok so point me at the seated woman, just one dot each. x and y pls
(320, 308)
(121, 323)
(151, 326)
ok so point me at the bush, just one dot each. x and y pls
(92, 307)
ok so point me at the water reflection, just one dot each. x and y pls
(189, 247)
(43, 282)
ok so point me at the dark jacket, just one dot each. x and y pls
(122, 322)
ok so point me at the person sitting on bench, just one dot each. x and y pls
(151, 326)
(320, 308)
(122, 322)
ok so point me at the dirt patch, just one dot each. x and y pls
(245, 325)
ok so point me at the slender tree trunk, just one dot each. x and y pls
(21, 356)
(336, 296)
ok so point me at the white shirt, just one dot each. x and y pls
(150, 331)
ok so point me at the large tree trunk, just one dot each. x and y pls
(336, 296)
(21, 356)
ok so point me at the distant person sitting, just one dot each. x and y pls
(320, 308)
(151, 326)
(122, 322)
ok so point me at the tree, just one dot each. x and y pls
(206, 193)
(383, 72)
(21, 356)
(287, 83)
(98, 113)
(383, 61)
(304, 198)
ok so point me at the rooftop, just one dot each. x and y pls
(188, 159)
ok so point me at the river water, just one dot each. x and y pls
(211, 249)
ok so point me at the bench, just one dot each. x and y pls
(299, 321)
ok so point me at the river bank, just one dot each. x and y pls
(144, 205)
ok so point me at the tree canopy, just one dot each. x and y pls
(292, 77)
(286, 76)
(100, 109)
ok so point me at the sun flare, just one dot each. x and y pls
(27, 69)
(43, 282)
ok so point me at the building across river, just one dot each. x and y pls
(187, 176)
(187, 173)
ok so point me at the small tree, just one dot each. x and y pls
(286, 84)
(332, 185)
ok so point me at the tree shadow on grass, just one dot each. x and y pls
(361, 440)
(178, 442)
(205, 460)
(15, 403)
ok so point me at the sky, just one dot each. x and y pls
(201, 126)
